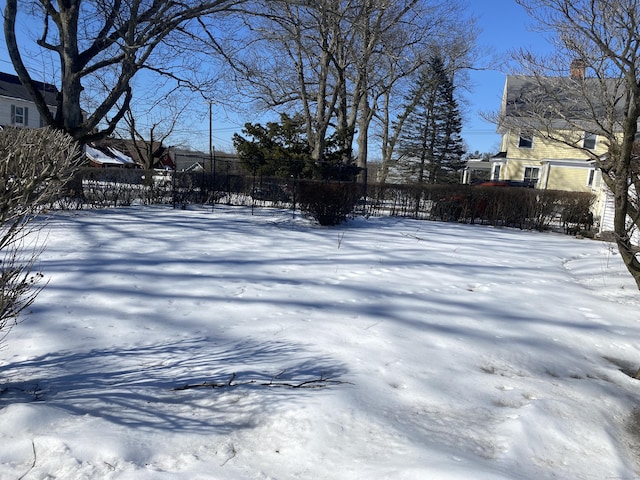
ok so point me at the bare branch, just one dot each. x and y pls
(36, 164)
(321, 382)
(91, 41)
(604, 36)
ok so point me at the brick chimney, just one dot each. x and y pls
(577, 69)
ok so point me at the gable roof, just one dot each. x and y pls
(108, 156)
(128, 146)
(562, 98)
(11, 87)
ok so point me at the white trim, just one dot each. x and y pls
(500, 165)
(569, 163)
(536, 167)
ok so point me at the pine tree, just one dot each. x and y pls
(278, 150)
(430, 148)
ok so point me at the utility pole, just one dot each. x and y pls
(211, 165)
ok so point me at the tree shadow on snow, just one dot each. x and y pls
(133, 386)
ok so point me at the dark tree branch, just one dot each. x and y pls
(321, 382)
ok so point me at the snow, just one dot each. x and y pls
(460, 351)
(113, 157)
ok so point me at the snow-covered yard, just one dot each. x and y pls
(459, 351)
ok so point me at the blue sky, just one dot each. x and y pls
(504, 25)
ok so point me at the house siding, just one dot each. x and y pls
(518, 153)
(541, 155)
(546, 149)
(573, 179)
(33, 116)
(13, 95)
(514, 168)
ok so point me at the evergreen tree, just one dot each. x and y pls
(430, 148)
(279, 149)
(282, 150)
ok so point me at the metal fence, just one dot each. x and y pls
(500, 206)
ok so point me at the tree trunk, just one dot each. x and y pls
(621, 210)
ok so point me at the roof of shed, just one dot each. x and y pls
(108, 156)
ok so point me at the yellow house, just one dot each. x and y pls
(538, 160)
(549, 150)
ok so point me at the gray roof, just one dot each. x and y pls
(11, 87)
(561, 97)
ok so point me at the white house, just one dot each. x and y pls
(16, 105)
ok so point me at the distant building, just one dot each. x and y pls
(476, 170)
(138, 149)
(194, 161)
(17, 107)
(103, 157)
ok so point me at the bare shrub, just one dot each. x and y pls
(576, 213)
(111, 187)
(34, 168)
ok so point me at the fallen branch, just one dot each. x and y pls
(35, 459)
(415, 237)
(321, 382)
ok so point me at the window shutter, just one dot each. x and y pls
(13, 114)
(26, 117)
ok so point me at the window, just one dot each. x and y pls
(590, 177)
(525, 140)
(531, 174)
(19, 115)
(589, 140)
(496, 173)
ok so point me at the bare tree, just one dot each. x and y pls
(599, 41)
(150, 120)
(299, 41)
(334, 60)
(457, 47)
(35, 165)
(148, 143)
(99, 39)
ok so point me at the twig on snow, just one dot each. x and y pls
(35, 458)
(414, 236)
(320, 382)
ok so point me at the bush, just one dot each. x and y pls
(35, 165)
(111, 187)
(525, 208)
(328, 203)
(576, 215)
